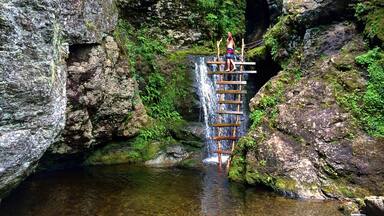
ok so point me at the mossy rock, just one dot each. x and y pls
(259, 53)
(341, 188)
(120, 153)
(191, 163)
(374, 28)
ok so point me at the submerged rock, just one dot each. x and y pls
(32, 85)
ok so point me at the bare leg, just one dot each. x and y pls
(233, 64)
(228, 65)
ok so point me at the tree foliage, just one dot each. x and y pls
(222, 16)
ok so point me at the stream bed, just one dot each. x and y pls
(127, 190)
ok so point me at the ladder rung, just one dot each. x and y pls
(231, 92)
(234, 72)
(225, 125)
(225, 138)
(230, 112)
(231, 82)
(230, 102)
(222, 152)
(236, 63)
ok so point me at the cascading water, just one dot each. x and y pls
(208, 99)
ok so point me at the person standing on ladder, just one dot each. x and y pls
(230, 56)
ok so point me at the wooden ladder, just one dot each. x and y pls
(238, 102)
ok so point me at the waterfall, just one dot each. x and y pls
(208, 99)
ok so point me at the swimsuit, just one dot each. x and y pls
(230, 54)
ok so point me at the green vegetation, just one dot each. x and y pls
(278, 36)
(257, 52)
(143, 147)
(371, 13)
(343, 188)
(222, 16)
(237, 169)
(276, 183)
(367, 106)
(273, 95)
(372, 111)
(139, 46)
(164, 84)
(163, 79)
(158, 90)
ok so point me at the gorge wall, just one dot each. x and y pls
(307, 139)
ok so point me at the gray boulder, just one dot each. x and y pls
(102, 98)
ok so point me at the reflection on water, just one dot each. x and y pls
(125, 190)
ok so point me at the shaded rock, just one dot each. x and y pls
(87, 21)
(32, 86)
(374, 205)
(102, 98)
(275, 9)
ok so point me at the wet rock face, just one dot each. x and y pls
(87, 21)
(32, 86)
(102, 98)
(314, 149)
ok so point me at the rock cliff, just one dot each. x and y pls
(32, 85)
(41, 43)
(306, 140)
(178, 20)
(103, 101)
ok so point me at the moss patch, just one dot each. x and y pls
(276, 183)
(371, 14)
(344, 189)
(364, 100)
(278, 37)
(258, 53)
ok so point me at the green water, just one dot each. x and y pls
(125, 190)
